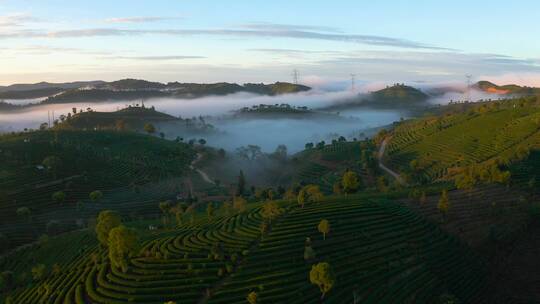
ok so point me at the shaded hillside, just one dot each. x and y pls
(510, 89)
(47, 85)
(132, 171)
(4, 106)
(30, 94)
(131, 118)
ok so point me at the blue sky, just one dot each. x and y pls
(263, 41)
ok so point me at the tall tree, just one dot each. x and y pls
(322, 275)
(107, 220)
(123, 245)
(324, 228)
(350, 182)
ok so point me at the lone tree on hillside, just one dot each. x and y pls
(95, 196)
(252, 298)
(444, 203)
(107, 220)
(350, 182)
(149, 128)
(58, 197)
(322, 275)
(324, 228)
(123, 245)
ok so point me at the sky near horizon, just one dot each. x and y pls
(419, 41)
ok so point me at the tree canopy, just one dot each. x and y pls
(322, 275)
(107, 220)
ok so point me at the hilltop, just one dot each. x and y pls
(131, 118)
(395, 96)
(509, 89)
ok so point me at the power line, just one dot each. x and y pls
(468, 76)
(295, 76)
(353, 80)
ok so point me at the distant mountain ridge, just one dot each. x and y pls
(48, 85)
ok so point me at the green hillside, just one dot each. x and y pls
(444, 145)
(378, 250)
(131, 171)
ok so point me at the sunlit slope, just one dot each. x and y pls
(380, 249)
(441, 144)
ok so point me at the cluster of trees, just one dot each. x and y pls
(121, 241)
(349, 183)
(481, 174)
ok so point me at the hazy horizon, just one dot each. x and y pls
(204, 41)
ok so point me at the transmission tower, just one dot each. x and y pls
(295, 76)
(468, 76)
(353, 82)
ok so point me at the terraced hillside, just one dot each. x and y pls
(441, 145)
(379, 251)
(131, 172)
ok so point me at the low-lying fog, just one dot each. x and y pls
(266, 133)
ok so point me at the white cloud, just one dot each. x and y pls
(140, 19)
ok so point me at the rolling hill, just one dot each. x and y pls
(510, 89)
(132, 89)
